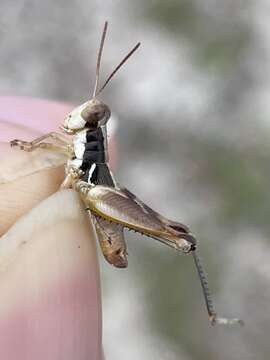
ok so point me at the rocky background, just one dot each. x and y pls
(193, 135)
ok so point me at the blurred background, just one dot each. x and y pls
(193, 109)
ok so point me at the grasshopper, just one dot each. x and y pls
(111, 207)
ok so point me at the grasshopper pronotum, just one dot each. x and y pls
(112, 207)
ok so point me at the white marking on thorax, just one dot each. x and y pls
(80, 137)
(79, 141)
(92, 169)
(79, 150)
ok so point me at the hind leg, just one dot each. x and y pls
(116, 205)
(121, 207)
(112, 242)
(110, 234)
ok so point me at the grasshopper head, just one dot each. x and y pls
(96, 113)
(91, 114)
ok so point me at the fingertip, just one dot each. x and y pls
(49, 280)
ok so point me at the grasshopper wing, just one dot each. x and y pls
(122, 207)
(18, 163)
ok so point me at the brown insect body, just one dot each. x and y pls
(112, 207)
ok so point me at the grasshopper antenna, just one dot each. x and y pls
(99, 56)
(118, 66)
(213, 317)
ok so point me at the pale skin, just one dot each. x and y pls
(26, 267)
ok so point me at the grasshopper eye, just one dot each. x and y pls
(96, 114)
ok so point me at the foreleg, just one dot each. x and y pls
(64, 147)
